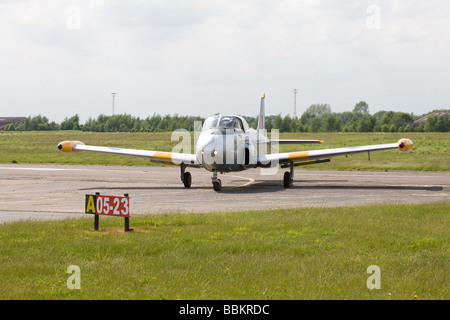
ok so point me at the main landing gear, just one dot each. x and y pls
(187, 179)
(217, 184)
(288, 177)
(185, 176)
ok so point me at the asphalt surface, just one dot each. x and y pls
(43, 192)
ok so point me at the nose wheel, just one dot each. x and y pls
(217, 184)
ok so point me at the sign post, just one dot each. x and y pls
(114, 206)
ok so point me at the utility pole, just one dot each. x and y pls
(113, 96)
(295, 103)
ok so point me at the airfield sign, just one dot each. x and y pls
(113, 206)
(107, 205)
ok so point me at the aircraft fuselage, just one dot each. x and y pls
(234, 148)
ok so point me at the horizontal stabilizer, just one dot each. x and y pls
(284, 141)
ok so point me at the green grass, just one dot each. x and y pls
(316, 253)
(40, 147)
(431, 150)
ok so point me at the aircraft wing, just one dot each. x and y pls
(155, 156)
(288, 157)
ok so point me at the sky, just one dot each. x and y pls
(201, 57)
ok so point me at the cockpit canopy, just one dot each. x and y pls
(225, 122)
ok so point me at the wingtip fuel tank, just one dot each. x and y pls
(69, 146)
(405, 144)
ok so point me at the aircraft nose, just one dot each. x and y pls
(203, 144)
(210, 153)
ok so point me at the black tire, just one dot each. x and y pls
(287, 181)
(217, 185)
(187, 179)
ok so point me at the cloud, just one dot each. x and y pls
(201, 57)
(158, 13)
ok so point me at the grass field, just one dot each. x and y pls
(319, 253)
(312, 253)
(431, 150)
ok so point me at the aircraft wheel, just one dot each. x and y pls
(287, 181)
(187, 180)
(217, 185)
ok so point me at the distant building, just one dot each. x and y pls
(4, 121)
(423, 120)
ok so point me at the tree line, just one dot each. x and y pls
(317, 118)
(103, 123)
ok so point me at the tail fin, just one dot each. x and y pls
(261, 119)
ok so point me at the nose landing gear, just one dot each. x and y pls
(217, 184)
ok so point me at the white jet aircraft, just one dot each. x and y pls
(227, 143)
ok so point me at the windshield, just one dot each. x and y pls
(211, 122)
(223, 122)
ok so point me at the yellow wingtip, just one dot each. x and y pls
(67, 146)
(405, 144)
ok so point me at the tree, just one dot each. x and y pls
(268, 124)
(286, 124)
(352, 125)
(430, 125)
(36, 123)
(316, 124)
(384, 128)
(437, 124)
(443, 123)
(277, 122)
(10, 127)
(316, 110)
(332, 123)
(366, 123)
(386, 118)
(401, 119)
(295, 125)
(392, 128)
(71, 124)
(361, 107)
(345, 116)
(304, 118)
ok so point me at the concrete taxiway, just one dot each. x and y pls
(42, 192)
